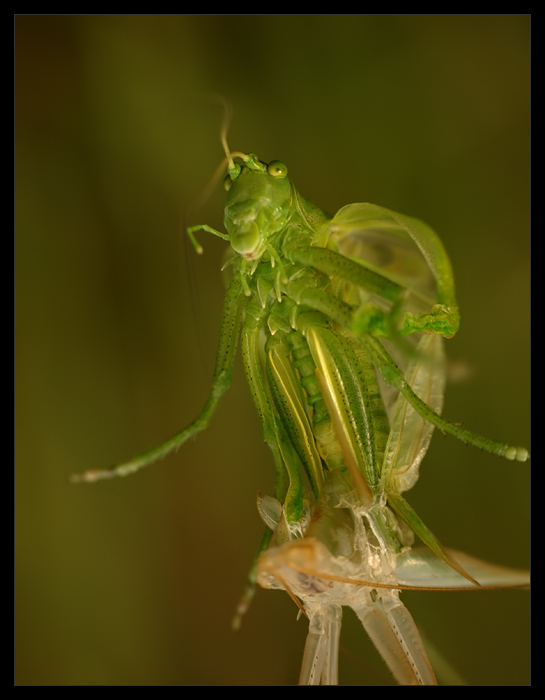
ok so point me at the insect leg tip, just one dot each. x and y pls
(520, 454)
(84, 477)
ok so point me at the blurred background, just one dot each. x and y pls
(135, 581)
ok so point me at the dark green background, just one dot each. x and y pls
(135, 581)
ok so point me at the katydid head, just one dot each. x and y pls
(259, 197)
(258, 204)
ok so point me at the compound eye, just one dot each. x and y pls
(277, 169)
(227, 182)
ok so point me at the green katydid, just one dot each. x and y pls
(334, 298)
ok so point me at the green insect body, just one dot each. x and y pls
(321, 306)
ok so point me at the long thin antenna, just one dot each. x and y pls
(207, 190)
(224, 129)
(227, 108)
(225, 124)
